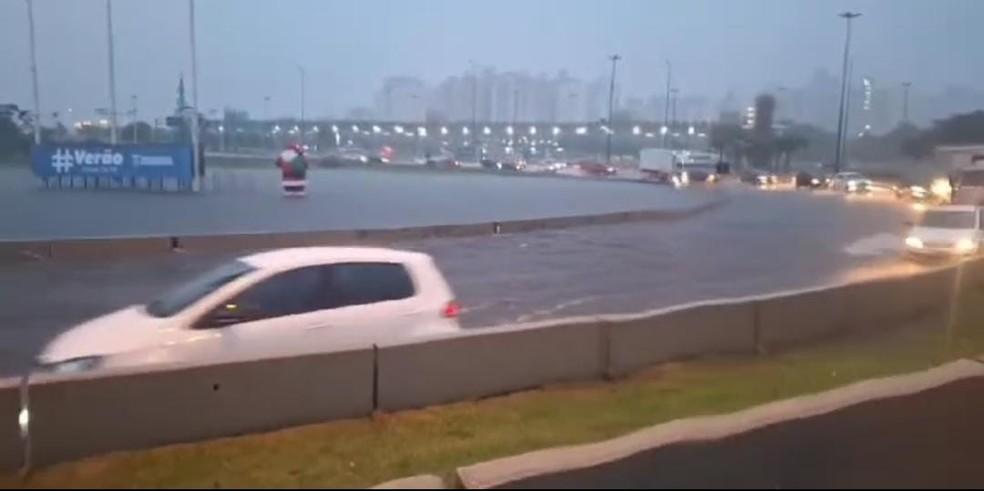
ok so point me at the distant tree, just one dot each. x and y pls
(960, 129)
(765, 113)
(725, 139)
(788, 144)
(761, 147)
(145, 132)
(13, 141)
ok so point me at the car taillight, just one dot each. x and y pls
(451, 310)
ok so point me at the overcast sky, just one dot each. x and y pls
(251, 48)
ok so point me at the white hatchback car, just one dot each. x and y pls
(283, 302)
(953, 230)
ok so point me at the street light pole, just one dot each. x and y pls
(675, 93)
(133, 104)
(34, 74)
(841, 130)
(474, 121)
(611, 103)
(302, 103)
(666, 106)
(196, 157)
(112, 72)
(905, 101)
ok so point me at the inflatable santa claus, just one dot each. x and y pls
(293, 170)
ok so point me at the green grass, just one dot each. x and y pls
(365, 452)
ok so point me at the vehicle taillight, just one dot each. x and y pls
(451, 310)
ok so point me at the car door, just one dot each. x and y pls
(368, 302)
(271, 317)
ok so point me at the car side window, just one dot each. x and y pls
(292, 292)
(367, 283)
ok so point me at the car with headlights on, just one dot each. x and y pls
(277, 303)
(946, 231)
(850, 182)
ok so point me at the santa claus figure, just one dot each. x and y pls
(293, 170)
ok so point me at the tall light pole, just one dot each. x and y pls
(474, 118)
(196, 157)
(905, 101)
(676, 93)
(666, 106)
(112, 72)
(34, 74)
(133, 113)
(611, 104)
(302, 102)
(841, 129)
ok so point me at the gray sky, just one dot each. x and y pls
(251, 48)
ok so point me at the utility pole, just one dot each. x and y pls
(34, 74)
(611, 103)
(112, 73)
(905, 101)
(841, 123)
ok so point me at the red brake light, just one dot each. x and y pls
(451, 310)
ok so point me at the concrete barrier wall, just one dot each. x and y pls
(461, 368)
(103, 248)
(76, 417)
(787, 320)
(11, 451)
(701, 330)
(17, 251)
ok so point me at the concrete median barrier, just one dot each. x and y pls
(787, 320)
(14, 251)
(11, 448)
(73, 417)
(487, 364)
(240, 242)
(640, 342)
(104, 248)
(884, 303)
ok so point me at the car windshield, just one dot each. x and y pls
(177, 299)
(948, 219)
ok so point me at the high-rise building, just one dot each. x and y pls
(401, 99)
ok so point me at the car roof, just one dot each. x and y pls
(307, 256)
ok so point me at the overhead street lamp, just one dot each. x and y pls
(841, 130)
(611, 103)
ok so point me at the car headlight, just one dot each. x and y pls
(965, 245)
(815, 181)
(941, 188)
(711, 177)
(852, 186)
(914, 242)
(762, 179)
(684, 178)
(75, 365)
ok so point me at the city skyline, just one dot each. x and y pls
(717, 48)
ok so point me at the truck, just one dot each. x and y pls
(684, 165)
(658, 163)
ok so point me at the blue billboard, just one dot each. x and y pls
(149, 161)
